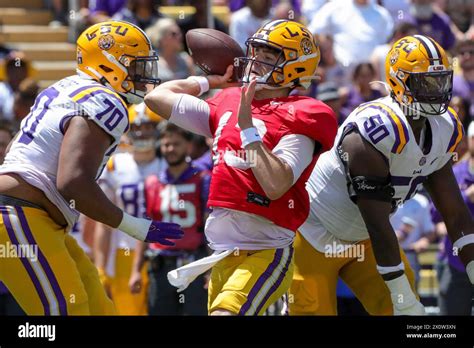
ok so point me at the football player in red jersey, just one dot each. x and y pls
(265, 146)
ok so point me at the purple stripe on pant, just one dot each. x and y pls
(44, 263)
(25, 262)
(277, 283)
(261, 281)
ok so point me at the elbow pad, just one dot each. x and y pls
(370, 187)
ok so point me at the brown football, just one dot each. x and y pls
(212, 50)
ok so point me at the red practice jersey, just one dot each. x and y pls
(233, 184)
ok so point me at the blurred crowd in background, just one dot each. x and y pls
(354, 38)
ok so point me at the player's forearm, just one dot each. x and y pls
(274, 176)
(139, 257)
(162, 99)
(387, 255)
(88, 198)
(382, 236)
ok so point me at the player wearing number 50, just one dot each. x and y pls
(265, 146)
(384, 152)
(50, 173)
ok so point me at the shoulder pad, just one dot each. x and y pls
(381, 126)
(457, 130)
(105, 107)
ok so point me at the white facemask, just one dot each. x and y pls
(142, 145)
(136, 98)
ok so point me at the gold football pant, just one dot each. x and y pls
(45, 269)
(248, 282)
(313, 290)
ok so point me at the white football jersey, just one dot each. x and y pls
(333, 216)
(35, 152)
(123, 182)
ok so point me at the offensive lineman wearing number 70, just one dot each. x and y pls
(52, 166)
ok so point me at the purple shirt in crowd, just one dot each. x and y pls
(110, 7)
(438, 28)
(204, 162)
(354, 99)
(235, 5)
(464, 89)
(464, 179)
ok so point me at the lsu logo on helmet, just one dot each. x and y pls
(119, 55)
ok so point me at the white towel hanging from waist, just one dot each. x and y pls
(183, 276)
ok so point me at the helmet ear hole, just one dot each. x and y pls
(105, 68)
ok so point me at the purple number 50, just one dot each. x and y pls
(376, 129)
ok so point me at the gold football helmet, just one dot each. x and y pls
(143, 133)
(297, 56)
(419, 75)
(120, 55)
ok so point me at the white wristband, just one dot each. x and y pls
(134, 227)
(463, 241)
(401, 293)
(203, 83)
(389, 269)
(249, 135)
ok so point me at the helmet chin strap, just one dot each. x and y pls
(414, 110)
(132, 98)
(263, 84)
(304, 82)
(135, 97)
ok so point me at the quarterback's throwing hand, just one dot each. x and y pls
(224, 81)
